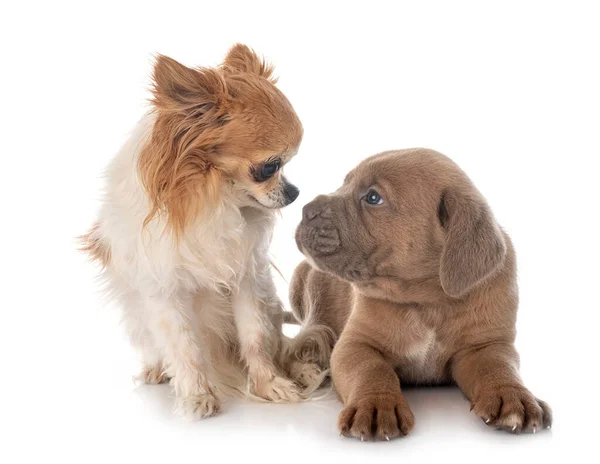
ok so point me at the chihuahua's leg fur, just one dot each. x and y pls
(489, 377)
(141, 337)
(174, 327)
(374, 406)
(260, 342)
(154, 374)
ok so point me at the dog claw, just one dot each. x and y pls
(387, 438)
(534, 430)
(362, 438)
(514, 428)
(487, 421)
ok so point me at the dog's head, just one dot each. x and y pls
(404, 223)
(225, 126)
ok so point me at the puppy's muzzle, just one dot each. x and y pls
(317, 231)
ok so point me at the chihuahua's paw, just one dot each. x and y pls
(199, 406)
(379, 417)
(153, 375)
(512, 408)
(306, 374)
(277, 389)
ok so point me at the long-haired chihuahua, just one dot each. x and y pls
(184, 230)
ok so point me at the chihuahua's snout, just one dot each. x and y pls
(290, 192)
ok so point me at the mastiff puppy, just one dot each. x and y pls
(406, 264)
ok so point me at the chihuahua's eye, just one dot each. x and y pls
(373, 198)
(268, 170)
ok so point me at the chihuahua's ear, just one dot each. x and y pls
(177, 168)
(182, 89)
(475, 246)
(241, 58)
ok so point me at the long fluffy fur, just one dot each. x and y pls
(182, 245)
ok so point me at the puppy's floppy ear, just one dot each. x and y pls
(241, 58)
(475, 247)
(178, 88)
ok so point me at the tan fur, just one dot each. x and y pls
(93, 245)
(420, 289)
(204, 135)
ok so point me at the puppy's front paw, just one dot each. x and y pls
(379, 417)
(306, 374)
(200, 406)
(512, 408)
(277, 389)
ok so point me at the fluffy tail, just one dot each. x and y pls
(230, 376)
(312, 346)
(315, 341)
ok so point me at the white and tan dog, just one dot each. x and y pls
(185, 226)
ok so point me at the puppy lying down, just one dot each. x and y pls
(406, 264)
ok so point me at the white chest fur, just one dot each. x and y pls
(214, 253)
(419, 362)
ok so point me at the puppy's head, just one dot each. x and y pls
(225, 129)
(403, 225)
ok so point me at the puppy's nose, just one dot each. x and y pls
(320, 206)
(310, 211)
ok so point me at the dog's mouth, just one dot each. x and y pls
(264, 205)
(254, 201)
(318, 240)
(322, 247)
(276, 199)
(305, 249)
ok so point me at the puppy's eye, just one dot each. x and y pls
(373, 198)
(268, 170)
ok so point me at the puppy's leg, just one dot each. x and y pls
(489, 377)
(173, 325)
(374, 406)
(259, 342)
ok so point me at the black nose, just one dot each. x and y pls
(291, 192)
(310, 211)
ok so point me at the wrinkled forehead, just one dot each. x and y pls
(408, 175)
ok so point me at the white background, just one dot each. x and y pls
(510, 92)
